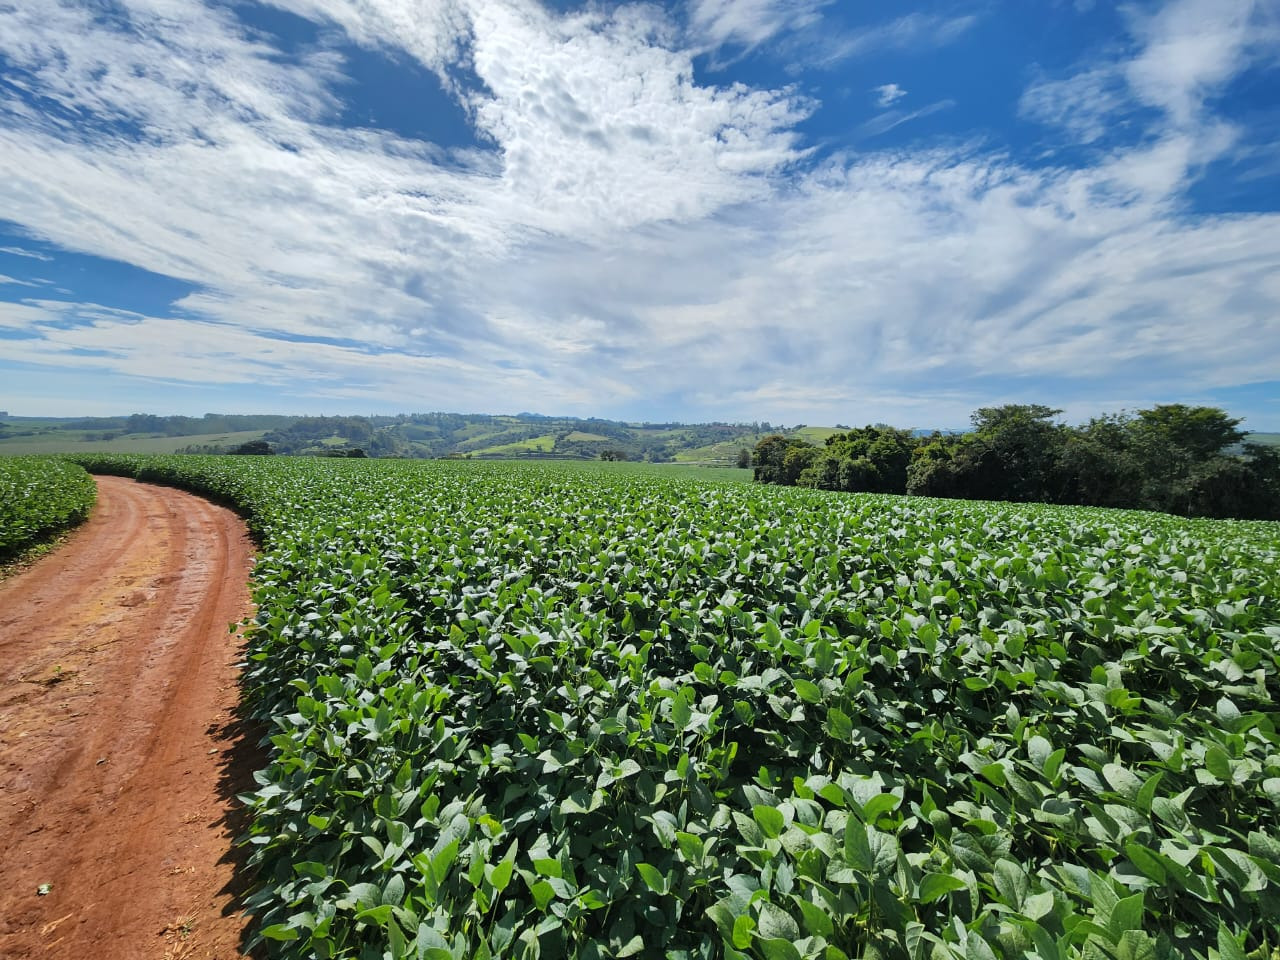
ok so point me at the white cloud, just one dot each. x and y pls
(630, 238)
(601, 126)
(1191, 48)
(30, 254)
(884, 122)
(294, 225)
(1085, 104)
(1182, 56)
(888, 94)
(750, 23)
(914, 31)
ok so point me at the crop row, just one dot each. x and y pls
(516, 711)
(39, 495)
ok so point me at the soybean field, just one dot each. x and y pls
(518, 711)
(39, 496)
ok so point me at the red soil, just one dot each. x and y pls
(119, 751)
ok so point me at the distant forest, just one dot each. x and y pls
(1185, 460)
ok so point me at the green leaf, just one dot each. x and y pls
(543, 892)
(824, 656)
(652, 877)
(743, 928)
(1012, 883)
(1047, 946)
(769, 818)
(995, 773)
(779, 949)
(976, 948)
(937, 885)
(1126, 915)
(1038, 905)
(1228, 946)
(1217, 762)
(857, 848)
(1038, 750)
(1148, 792)
(499, 875)
(878, 805)
(682, 710)
(1146, 861)
(1122, 780)
(691, 847)
(817, 921)
(774, 922)
(280, 931)
(393, 892)
(839, 725)
(1135, 945)
(807, 690)
(442, 862)
(1053, 764)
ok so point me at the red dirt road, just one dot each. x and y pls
(119, 752)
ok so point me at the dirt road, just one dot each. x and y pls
(119, 753)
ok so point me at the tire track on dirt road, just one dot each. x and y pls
(120, 753)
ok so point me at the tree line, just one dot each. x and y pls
(1186, 460)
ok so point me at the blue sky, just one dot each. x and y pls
(810, 211)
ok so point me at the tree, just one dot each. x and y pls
(1179, 452)
(1020, 446)
(254, 448)
(822, 472)
(1097, 465)
(1199, 432)
(873, 459)
(613, 455)
(744, 459)
(931, 472)
(797, 459)
(771, 459)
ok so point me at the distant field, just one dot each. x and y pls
(687, 470)
(1264, 439)
(543, 444)
(724, 452)
(579, 437)
(815, 435)
(72, 441)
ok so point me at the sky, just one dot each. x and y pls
(801, 211)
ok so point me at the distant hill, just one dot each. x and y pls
(419, 435)
(424, 435)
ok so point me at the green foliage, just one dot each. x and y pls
(1172, 458)
(516, 711)
(38, 496)
(782, 460)
(254, 448)
(872, 460)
